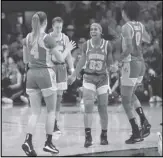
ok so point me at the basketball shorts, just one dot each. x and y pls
(41, 80)
(132, 72)
(61, 76)
(96, 83)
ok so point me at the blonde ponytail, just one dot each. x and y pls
(36, 26)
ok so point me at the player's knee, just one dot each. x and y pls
(126, 100)
(88, 105)
(102, 108)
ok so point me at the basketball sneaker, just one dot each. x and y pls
(145, 130)
(28, 149)
(49, 147)
(104, 140)
(88, 141)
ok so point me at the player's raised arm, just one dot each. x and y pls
(145, 36)
(126, 42)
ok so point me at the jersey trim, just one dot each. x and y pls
(141, 27)
(131, 28)
(103, 42)
(106, 45)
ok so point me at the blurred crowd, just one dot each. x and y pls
(77, 18)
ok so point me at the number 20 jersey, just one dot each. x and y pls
(96, 58)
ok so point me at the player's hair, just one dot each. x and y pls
(38, 19)
(132, 10)
(57, 19)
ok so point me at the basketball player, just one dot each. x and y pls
(60, 67)
(133, 68)
(97, 58)
(41, 80)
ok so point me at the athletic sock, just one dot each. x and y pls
(49, 138)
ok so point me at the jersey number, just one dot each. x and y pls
(35, 53)
(95, 65)
(138, 36)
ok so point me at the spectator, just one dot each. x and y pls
(70, 32)
(13, 89)
(16, 47)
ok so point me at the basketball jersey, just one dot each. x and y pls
(39, 54)
(96, 61)
(60, 45)
(137, 33)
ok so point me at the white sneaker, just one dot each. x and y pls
(7, 100)
(158, 99)
(152, 99)
(24, 99)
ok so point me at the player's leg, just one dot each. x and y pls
(61, 76)
(143, 120)
(48, 87)
(89, 90)
(102, 90)
(128, 82)
(35, 102)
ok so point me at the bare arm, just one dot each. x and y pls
(25, 51)
(127, 39)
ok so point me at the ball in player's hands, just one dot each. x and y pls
(49, 42)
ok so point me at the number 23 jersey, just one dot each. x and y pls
(96, 57)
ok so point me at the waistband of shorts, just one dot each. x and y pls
(57, 63)
(94, 74)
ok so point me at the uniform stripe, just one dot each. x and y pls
(141, 27)
(89, 86)
(131, 28)
(106, 45)
(91, 43)
(87, 46)
(103, 42)
(102, 90)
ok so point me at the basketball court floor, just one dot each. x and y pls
(71, 141)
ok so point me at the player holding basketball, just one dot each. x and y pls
(41, 80)
(97, 57)
(60, 67)
(133, 68)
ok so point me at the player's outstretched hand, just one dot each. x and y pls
(71, 45)
(71, 79)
